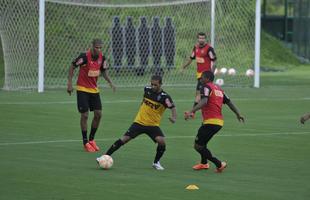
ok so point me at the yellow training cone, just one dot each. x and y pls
(192, 187)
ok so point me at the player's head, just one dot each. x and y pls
(201, 38)
(156, 82)
(207, 76)
(96, 48)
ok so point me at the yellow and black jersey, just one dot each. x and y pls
(152, 107)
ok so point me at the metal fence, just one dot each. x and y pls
(301, 36)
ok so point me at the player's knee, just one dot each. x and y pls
(84, 116)
(97, 115)
(198, 147)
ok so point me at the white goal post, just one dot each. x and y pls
(59, 30)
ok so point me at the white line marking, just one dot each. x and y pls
(168, 137)
(138, 101)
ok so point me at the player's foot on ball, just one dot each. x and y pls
(221, 169)
(89, 148)
(201, 166)
(157, 166)
(94, 145)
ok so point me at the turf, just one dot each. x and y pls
(42, 156)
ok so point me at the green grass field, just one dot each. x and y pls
(268, 156)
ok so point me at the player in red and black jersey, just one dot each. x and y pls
(205, 57)
(154, 103)
(212, 99)
(91, 64)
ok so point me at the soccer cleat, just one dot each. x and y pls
(97, 160)
(201, 166)
(94, 145)
(89, 148)
(221, 169)
(157, 166)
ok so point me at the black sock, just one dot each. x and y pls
(159, 152)
(213, 159)
(84, 136)
(195, 103)
(92, 134)
(117, 144)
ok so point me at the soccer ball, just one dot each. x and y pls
(223, 70)
(219, 82)
(232, 72)
(249, 73)
(105, 161)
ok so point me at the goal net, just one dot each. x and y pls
(139, 39)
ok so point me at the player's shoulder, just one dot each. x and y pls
(164, 94)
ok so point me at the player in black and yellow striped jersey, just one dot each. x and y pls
(154, 103)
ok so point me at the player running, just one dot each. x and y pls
(212, 99)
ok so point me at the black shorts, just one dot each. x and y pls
(88, 101)
(199, 84)
(205, 133)
(137, 129)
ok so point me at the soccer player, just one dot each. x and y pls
(154, 103)
(91, 64)
(212, 99)
(205, 58)
(304, 118)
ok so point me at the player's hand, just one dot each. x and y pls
(113, 87)
(304, 118)
(240, 118)
(188, 115)
(69, 89)
(172, 119)
(182, 70)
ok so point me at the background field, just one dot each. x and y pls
(42, 156)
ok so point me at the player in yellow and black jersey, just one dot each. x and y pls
(154, 103)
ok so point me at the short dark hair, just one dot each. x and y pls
(97, 41)
(157, 78)
(201, 34)
(209, 75)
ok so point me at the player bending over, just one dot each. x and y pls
(154, 103)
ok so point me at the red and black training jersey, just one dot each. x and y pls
(89, 71)
(203, 59)
(152, 107)
(212, 111)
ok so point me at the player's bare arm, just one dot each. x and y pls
(188, 62)
(173, 117)
(213, 58)
(69, 83)
(201, 103)
(107, 78)
(236, 111)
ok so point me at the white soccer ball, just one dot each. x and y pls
(105, 161)
(219, 82)
(231, 72)
(223, 70)
(249, 73)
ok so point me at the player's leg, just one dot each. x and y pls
(134, 130)
(83, 107)
(205, 133)
(157, 136)
(95, 105)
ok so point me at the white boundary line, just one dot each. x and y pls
(137, 101)
(169, 137)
